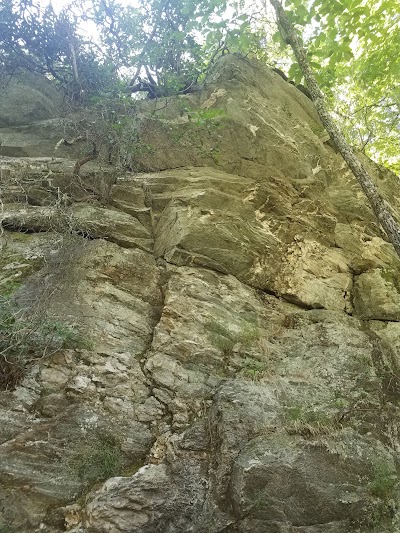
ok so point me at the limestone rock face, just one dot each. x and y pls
(376, 295)
(209, 345)
(30, 111)
(27, 98)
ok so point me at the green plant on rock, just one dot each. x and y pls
(297, 412)
(248, 334)
(65, 335)
(224, 344)
(221, 337)
(10, 287)
(109, 131)
(340, 403)
(384, 480)
(308, 423)
(225, 339)
(199, 130)
(96, 459)
(204, 117)
(253, 369)
(294, 413)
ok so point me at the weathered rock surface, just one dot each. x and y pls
(91, 222)
(227, 327)
(28, 98)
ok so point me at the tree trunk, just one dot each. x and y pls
(74, 62)
(88, 157)
(376, 201)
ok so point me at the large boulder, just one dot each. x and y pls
(26, 98)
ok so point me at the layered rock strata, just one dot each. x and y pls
(227, 324)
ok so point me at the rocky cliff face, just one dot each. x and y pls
(212, 343)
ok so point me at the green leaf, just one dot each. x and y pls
(295, 73)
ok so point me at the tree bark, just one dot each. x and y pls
(88, 157)
(74, 62)
(376, 201)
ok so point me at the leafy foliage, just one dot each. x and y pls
(384, 480)
(226, 339)
(166, 47)
(39, 40)
(163, 47)
(253, 369)
(353, 48)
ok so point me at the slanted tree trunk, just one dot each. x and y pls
(376, 201)
(74, 63)
(88, 157)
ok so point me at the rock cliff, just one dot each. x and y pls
(210, 344)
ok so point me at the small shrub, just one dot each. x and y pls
(204, 117)
(225, 339)
(309, 424)
(221, 338)
(384, 480)
(216, 328)
(24, 338)
(293, 413)
(65, 335)
(9, 288)
(298, 412)
(253, 369)
(224, 344)
(248, 334)
(98, 458)
(112, 125)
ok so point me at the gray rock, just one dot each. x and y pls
(280, 480)
(28, 98)
(226, 324)
(377, 296)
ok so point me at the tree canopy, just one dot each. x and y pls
(40, 40)
(163, 47)
(354, 48)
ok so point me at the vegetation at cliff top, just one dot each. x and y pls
(165, 47)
